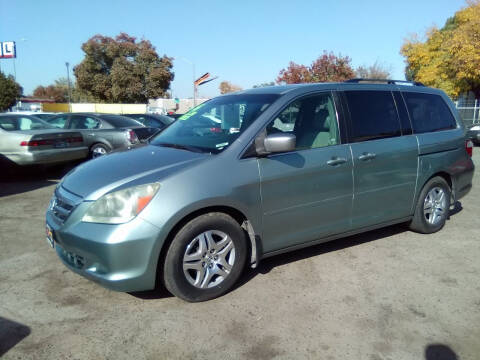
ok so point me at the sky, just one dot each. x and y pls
(245, 42)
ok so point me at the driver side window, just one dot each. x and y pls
(312, 119)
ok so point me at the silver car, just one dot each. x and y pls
(27, 140)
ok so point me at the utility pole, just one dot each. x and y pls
(69, 90)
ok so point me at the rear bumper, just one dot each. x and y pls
(47, 156)
(463, 180)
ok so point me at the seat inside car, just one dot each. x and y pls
(315, 130)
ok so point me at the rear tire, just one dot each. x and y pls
(98, 150)
(206, 258)
(433, 206)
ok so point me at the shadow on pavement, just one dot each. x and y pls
(16, 179)
(159, 293)
(439, 352)
(266, 265)
(457, 207)
(11, 333)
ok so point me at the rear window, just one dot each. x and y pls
(373, 115)
(428, 112)
(120, 121)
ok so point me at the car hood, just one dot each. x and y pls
(150, 163)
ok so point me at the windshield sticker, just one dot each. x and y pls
(221, 145)
(191, 112)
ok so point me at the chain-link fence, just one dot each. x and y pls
(469, 112)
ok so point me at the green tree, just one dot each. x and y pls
(10, 91)
(122, 69)
(326, 68)
(449, 58)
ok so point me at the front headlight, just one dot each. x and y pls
(121, 206)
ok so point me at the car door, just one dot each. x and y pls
(385, 158)
(88, 126)
(306, 193)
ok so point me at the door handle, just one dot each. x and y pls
(336, 161)
(367, 156)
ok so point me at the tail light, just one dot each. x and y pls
(37, 142)
(469, 147)
(131, 136)
(51, 141)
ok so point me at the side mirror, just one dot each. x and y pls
(280, 142)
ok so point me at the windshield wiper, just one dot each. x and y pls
(182, 147)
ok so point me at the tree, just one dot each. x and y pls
(271, 83)
(57, 91)
(449, 58)
(227, 87)
(122, 69)
(375, 71)
(326, 68)
(10, 91)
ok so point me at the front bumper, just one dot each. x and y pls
(50, 156)
(119, 257)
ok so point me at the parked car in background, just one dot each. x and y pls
(152, 120)
(104, 132)
(27, 140)
(474, 134)
(291, 166)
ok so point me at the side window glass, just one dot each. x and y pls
(311, 119)
(373, 115)
(58, 122)
(83, 122)
(429, 112)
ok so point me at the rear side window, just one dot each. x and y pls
(373, 115)
(120, 121)
(428, 112)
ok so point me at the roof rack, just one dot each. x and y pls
(388, 81)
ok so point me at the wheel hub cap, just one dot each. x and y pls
(435, 206)
(208, 259)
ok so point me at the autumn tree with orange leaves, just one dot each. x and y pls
(327, 68)
(449, 58)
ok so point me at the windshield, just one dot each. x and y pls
(215, 124)
(15, 123)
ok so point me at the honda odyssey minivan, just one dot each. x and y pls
(285, 167)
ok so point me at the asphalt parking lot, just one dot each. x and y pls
(386, 294)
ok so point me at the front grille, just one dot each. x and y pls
(61, 209)
(63, 203)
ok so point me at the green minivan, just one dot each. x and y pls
(256, 173)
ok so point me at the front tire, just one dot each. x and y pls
(206, 258)
(432, 207)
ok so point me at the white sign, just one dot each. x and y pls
(7, 50)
